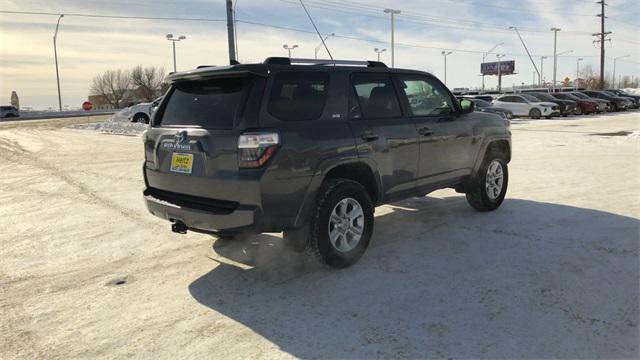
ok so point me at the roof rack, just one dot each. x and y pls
(288, 61)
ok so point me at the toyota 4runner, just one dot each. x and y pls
(311, 147)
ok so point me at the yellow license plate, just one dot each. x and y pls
(182, 163)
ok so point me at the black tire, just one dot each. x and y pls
(477, 196)
(534, 113)
(614, 107)
(578, 110)
(319, 245)
(141, 118)
(548, 117)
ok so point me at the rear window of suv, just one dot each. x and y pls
(298, 95)
(210, 104)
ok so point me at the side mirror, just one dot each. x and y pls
(467, 106)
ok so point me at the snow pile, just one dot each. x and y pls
(114, 127)
(122, 115)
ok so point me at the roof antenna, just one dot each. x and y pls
(315, 27)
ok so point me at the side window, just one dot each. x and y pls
(426, 96)
(508, 99)
(375, 95)
(520, 100)
(298, 96)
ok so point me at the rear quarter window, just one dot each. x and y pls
(298, 95)
(210, 104)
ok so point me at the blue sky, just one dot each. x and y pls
(88, 46)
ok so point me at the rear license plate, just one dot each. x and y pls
(181, 163)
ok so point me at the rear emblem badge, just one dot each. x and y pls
(181, 136)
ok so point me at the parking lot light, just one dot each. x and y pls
(378, 52)
(289, 48)
(392, 12)
(445, 54)
(174, 40)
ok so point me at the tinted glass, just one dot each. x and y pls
(567, 96)
(211, 104)
(376, 95)
(426, 96)
(298, 96)
(5, 108)
(530, 98)
(580, 95)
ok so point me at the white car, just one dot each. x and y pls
(527, 105)
(142, 112)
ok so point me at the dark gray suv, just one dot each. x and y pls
(311, 147)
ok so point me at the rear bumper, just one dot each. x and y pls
(198, 215)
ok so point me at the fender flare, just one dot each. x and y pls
(318, 177)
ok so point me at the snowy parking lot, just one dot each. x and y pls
(86, 272)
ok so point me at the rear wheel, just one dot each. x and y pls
(342, 223)
(534, 113)
(490, 187)
(578, 110)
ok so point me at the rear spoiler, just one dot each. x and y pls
(212, 72)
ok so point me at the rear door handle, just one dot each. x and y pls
(369, 136)
(425, 131)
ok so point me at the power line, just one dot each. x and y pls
(110, 16)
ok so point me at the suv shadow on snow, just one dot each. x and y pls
(531, 279)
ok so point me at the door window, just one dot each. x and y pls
(425, 96)
(375, 96)
(298, 96)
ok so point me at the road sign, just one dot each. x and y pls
(87, 106)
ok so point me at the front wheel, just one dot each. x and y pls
(534, 113)
(490, 187)
(342, 223)
(578, 111)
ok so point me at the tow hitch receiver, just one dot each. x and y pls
(179, 227)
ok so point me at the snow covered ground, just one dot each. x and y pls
(86, 272)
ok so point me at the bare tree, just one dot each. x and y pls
(113, 85)
(147, 81)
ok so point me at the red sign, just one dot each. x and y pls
(87, 106)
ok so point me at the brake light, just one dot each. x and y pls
(255, 149)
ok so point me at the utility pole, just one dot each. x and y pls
(445, 54)
(555, 56)
(541, 68)
(601, 39)
(500, 56)
(231, 38)
(393, 13)
(55, 54)
(577, 73)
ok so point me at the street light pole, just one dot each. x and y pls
(484, 56)
(541, 69)
(500, 56)
(55, 54)
(289, 48)
(393, 13)
(555, 56)
(379, 51)
(174, 40)
(445, 54)
(575, 86)
(614, 70)
(322, 44)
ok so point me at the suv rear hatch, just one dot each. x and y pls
(191, 147)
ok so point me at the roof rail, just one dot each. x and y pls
(287, 61)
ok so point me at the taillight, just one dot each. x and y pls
(255, 149)
(507, 123)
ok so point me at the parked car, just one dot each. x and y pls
(9, 111)
(312, 149)
(142, 112)
(583, 106)
(635, 99)
(617, 103)
(527, 105)
(603, 105)
(567, 107)
(486, 106)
